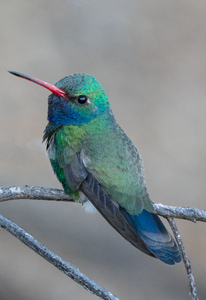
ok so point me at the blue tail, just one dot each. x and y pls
(155, 236)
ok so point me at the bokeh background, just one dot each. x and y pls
(150, 56)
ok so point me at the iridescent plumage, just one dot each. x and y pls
(92, 156)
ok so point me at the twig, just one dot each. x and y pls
(40, 193)
(54, 259)
(192, 285)
(187, 213)
(33, 193)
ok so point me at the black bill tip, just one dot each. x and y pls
(16, 73)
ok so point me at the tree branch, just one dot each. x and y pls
(55, 260)
(40, 193)
(187, 213)
(32, 193)
(188, 267)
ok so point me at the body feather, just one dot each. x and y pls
(99, 160)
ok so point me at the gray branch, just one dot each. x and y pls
(54, 259)
(188, 267)
(187, 213)
(40, 193)
(32, 193)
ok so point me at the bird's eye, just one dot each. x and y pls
(82, 99)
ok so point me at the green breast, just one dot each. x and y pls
(67, 141)
(109, 155)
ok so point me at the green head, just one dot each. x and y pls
(86, 99)
(75, 99)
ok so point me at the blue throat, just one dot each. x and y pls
(60, 113)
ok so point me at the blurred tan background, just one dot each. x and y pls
(150, 56)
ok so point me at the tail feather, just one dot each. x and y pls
(155, 236)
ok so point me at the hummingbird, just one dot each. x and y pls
(94, 160)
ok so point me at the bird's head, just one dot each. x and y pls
(75, 99)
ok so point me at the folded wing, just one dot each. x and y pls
(144, 231)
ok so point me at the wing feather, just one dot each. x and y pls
(78, 177)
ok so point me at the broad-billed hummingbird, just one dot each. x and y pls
(95, 160)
